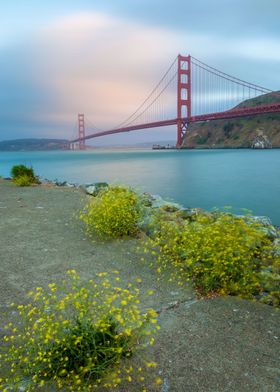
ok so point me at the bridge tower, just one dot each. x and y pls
(81, 131)
(183, 97)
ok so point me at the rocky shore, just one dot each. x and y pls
(220, 344)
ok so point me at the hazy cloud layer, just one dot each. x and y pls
(104, 61)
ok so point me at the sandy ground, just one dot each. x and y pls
(223, 344)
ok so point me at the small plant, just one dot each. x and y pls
(220, 252)
(270, 281)
(20, 170)
(23, 176)
(114, 212)
(23, 180)
(78, 336)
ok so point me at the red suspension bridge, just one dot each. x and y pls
(202, 93)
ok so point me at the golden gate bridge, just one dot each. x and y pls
(203, 93)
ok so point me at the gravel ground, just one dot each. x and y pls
(222, 344)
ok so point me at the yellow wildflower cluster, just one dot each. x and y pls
(78, 336)
(219, 252)
(113, 213)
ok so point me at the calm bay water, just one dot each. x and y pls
(247, 179)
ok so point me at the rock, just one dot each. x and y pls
(70, 185)
(45, 181)
(60, 183)
(190, 213)
(264, 220)
(158, 202)
(267, 228)
(147, 199)
(269, 232)
(170, 207)
(94, 189)
(165, 385)
(276, 247)
(265, 223)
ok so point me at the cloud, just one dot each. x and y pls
(259, 49)
(105, 66)
(96, 64)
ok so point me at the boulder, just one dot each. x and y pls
(265, 223)
(95, 188)
(158, 202)
(190, 213)
(266, 226)
(263, 220)
(270, 232)
(276, 247)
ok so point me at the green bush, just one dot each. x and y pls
(23, 176)
(201, 139)
(77, 336)
(219, 252)
(114, 212)
(228, 127)
(23, 180)
(270, 283)
(20, 170)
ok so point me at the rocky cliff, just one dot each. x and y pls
(239, 132)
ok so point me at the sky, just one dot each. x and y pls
(102, 58)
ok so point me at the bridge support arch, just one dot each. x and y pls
(183, 97)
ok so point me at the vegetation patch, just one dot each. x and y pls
(114, 212)
(78, 336)
(23, 176)
(220, 252)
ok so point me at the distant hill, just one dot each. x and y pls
(32, 144)
(239, 132)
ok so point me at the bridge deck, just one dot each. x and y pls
(233, 113)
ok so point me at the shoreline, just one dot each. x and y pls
(55, 183)
(41, 239)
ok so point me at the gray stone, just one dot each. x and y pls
(276, 247)
(158, 202)
(265, 223)
(190, 213)
(147, 199)
(95, 188)
(70, 185)
(264, 220)
(269, 232)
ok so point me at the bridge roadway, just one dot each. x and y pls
(232, 113)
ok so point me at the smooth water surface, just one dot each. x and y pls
(247, 179)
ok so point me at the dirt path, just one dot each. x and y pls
(224, 344)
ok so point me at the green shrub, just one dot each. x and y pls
(220, 252)
(114, 212)
(23, 176)
(77, 336)
(23, 180)
(228, 127)
(201, 139)
(20, 170)
(270, 283)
